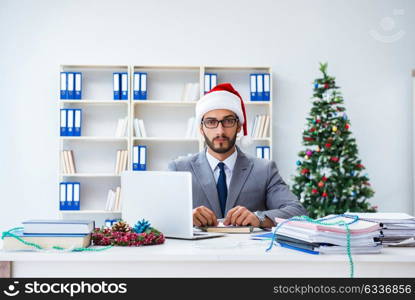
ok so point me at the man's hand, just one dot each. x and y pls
(241, 216)
(203, 216)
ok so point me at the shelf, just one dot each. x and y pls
(90, 175)
(106, 102)
(94, 66)
(160, 139)
(89, 212)
(163, 102)
(257, 139)
(257, 102)
(94, 138)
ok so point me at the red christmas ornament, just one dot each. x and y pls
(309, 139)
(318, 120)
(312, 129)
(360, 166)
(321, 184)
(304, 171)
(324, 194)
(328, 145)
(324, 178)
(334, 159)
(314, 191)
(347, 126)
(326, 85)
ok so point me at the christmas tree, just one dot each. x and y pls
(330, 179)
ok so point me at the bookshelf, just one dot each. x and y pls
(165, 115)
(95, 150)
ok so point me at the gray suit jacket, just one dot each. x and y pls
(255, 184)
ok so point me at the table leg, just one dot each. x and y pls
(5, 269)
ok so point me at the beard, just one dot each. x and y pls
(222, 147)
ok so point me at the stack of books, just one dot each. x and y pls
(192, 127)
(260, 126)
(113, 200)
(68, 162)
(121, 161)
(139, 129)
(398, 229)
(122, 127)
(66, 234)
(327, 239)
(191, 92)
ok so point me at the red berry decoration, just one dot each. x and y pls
(347, 126)
(324, 178)
(328, 145)
(321, 184)
(326, 85)
(324, 194)
(360, 166)
(318, 120)
(314, 191)
(124, 235)
(334, 159)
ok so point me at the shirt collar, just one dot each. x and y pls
(229, 162)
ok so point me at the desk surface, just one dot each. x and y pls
(235, 250)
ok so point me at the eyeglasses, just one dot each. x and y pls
(214, 123)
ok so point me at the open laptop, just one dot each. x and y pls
(162, 198)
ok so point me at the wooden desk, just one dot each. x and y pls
(231, 256)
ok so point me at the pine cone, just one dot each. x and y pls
(141, 226)
(121, 226)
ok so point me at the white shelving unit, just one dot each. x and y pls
(95, 150)
(165, 117)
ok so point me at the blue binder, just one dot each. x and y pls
(207, 83)
(143, 86)
(135, 158)
(78, 85)
(253, 87)
(260, 152)
(77, 122)
(142, 162)
(267, 86)
(136, 85)
(69, 198)
(266, 151)
(260, 87)
(76, 196)
(117, 85)
(64, 85)
(124, 85)
(142, 166)
(71, 85)
(213, 80)
(70, 122)
(64, 122)
(62, 195)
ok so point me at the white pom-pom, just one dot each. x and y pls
(246, 141)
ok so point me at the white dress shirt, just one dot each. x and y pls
(229, 165)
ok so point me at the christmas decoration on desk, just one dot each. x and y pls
(329, 179)
(121, 234)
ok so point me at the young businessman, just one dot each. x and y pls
(228, 183)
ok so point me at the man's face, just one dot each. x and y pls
(220, 139)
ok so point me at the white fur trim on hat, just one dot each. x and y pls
(219, 100)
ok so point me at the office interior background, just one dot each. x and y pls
(369, 46)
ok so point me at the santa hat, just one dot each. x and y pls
(224, 96)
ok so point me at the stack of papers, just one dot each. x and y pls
(329, 239)
(397, 228)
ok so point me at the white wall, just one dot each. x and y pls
(290, 36)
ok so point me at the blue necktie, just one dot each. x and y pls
(222, 188)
